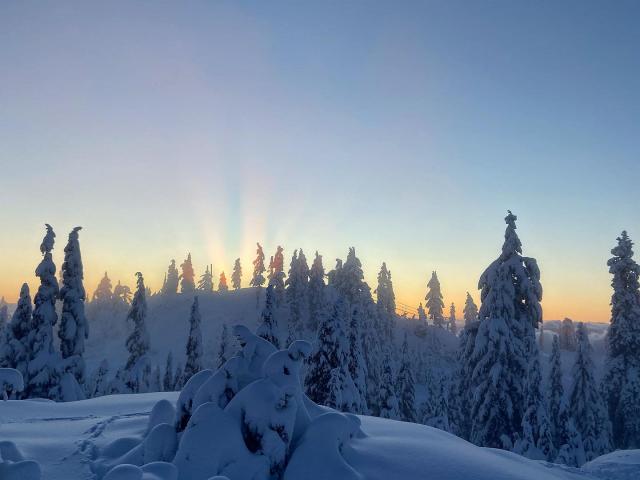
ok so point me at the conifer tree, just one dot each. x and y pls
(222, 283)
(623, 342)
(567, 335)
(389, 405)
(406, 386)
(74, 328)
(297, 287)
(173, 278)
(357, 367)
(43, 369)
(97, 384)
(586, 406)
(572, 451)
(470, 312)
(178, 380)
(317, 295)
(15, 349)
(509, 314)
(236, 276)
(269, 326)
(452, 319)
(333, 277)
(422, 326)
(224, 350)
(205, 284)
(438, 413)
(168, 380)
(276, 275)
(257, 280)
(4, 315)
(104, 293)
(555, 396)
(187, 278)
(122, 294)
(434, 302)
(138, 341)
(386, 302)
(194, 343)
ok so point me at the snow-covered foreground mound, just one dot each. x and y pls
(65, 437)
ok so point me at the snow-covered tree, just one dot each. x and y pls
(44, 362)
(297, 287)
(172, 279)
(572, 451)
(555, 395)
(567, 335)
(205, 284)
(224, 349)
(386, 302)
(452, 319)
(389, 405)
(437, 414)
(168, 380)
(236, 276)
(586, 406)
(138, 341)
(470, 312)
(268, 329)
(97, 384)
(422, 325)
(4, 315)
(15, 348)
(434, 302)
(509, 314)
(178, 379)
(104, 292)
(333, 277)
(257, 280)
(317, 295)
(357, 367)
(187, 278)
(276, 275)
(222, 283)
(406, 386)
(623, 342)
(74, 328)
(194, 343)
(122, 294)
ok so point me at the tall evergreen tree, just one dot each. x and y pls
(276, 275)
(623, 342)
(104, 292)
(205, 284)
(236, 276)
(269, 326)
(470, 312)
(15, 349)
(257, 280)
(555, 396)
(317, 295)
(4, 315)
(406, 386)
(222, 283)
(389, 405)
(586, 406)
(178, 380)
(224, 350)
(194, 343)
(187, 278)
(138, 341)
(357, 367)
(43, 369)
(74, 328)
(173, 278)
(434, 302)
(422, 326)
(168, 380)
(452, 319)
(297, 289)
(510, 312)
(122, 294)
(386, 302)
(567, 335)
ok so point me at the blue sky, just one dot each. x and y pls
(405, 129)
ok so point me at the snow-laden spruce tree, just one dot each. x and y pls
(572, 453)
(509, 314)
(205, 284)
(104, 292)
(15, 348)
(536, 439)
(178, 379)
(97, 384)
(437, 413)
(194, 342)
(4, 315)
(222, 283)
(122, 294)
(172, 280)
(269, 328)
(406, 386)
(422, 325)
(138, 341)
(623, 342)
(297, 295)
(586, 406)
(276, 275)
(555, 396)
(388, 401)
(470, 312)
(326, 381)
(258, 279)
(317, 296)
(386, 302)
(236, 276)
(224, 348)
(434, 302)
(74, 328)
(451, 324)
(168, 379)
(567, 335)
(357, 365)
(187, 277)
(44, 362)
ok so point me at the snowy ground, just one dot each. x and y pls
(64, 437)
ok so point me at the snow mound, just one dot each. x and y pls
(152, 471)
(13, 466)
(620, 465)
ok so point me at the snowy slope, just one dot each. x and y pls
(64, 437)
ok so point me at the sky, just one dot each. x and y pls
(404, 129)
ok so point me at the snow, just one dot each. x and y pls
(11, 381)
(64, 438)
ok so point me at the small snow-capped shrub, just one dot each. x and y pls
(244, 421)
(11, 382)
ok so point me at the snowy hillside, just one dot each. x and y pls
(65, 436)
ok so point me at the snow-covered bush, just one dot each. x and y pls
(249, 419)
(11, 382)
